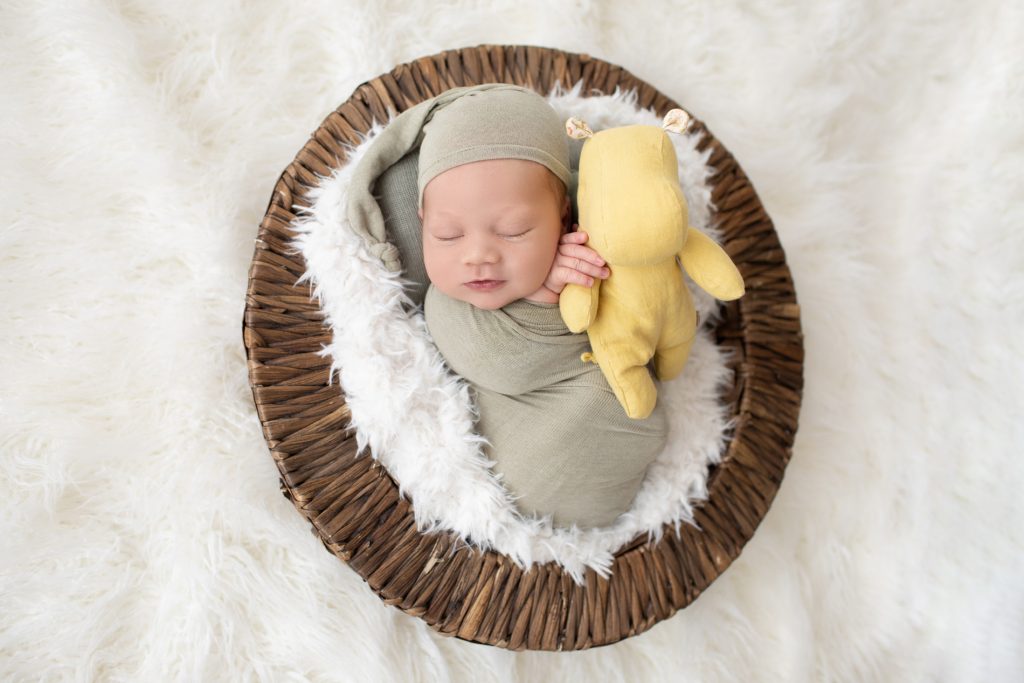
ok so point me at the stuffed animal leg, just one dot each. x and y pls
(710, 267)
(676, 338)
(622, 338)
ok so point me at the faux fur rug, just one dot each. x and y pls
(417, 417)
(144, 536)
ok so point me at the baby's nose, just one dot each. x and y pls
(481, 251)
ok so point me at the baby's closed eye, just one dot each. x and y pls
(443, 233)
(515, 234)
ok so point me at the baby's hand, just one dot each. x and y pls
(575, 264)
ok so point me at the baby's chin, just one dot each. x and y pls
(489, 301)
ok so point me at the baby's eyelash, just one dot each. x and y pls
(452, 239)
(519, 234)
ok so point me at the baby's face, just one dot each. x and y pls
(491, 230)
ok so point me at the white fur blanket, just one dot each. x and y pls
(144, 536)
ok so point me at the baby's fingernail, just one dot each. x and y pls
(605, 271)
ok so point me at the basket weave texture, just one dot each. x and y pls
(353, 503)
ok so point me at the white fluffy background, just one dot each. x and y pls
(144, 537)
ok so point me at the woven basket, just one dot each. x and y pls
(461, 591)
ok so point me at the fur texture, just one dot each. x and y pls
(143, 534)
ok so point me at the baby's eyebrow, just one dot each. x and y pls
(522, 216)
(508, 218)
(516, 215)
(442, 213)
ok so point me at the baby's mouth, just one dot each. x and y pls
(484, 285)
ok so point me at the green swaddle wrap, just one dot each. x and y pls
(558, 435)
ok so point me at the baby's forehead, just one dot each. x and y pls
(512, 181)
(445, 207)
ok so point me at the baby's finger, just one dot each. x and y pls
(576, 263)
(581, 252)
(574, 238)
(571, 276)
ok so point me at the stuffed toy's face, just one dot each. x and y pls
(630, 202)
(491, 229)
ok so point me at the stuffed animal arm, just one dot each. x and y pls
(710, 267)
(579, 306)
(634, 212)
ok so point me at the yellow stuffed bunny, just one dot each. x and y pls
(633, 210)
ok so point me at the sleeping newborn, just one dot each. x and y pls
(498, 247)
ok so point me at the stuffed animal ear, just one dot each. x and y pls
(676, 121)
(577, 129)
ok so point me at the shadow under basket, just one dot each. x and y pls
(353, 503)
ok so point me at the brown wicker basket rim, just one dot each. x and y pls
(353, 503)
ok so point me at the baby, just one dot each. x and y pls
(499, 246)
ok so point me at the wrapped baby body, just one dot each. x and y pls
(560, 440)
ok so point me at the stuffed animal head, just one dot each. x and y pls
(629, 199)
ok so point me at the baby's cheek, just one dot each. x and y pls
(444, 286)
(547, 257)
(540, 263)
(429, 262)
(439, 272)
